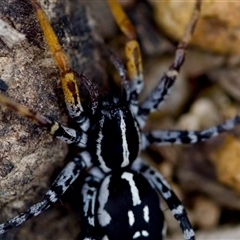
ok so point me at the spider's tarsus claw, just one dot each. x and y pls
(187, 36)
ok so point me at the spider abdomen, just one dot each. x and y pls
(129, 208)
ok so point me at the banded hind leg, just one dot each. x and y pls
(166, 137)
(89, 193)
(160, 92)
(168, 195)
(64, 180)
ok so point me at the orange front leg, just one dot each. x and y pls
(68, 81)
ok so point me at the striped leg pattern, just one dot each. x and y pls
(168, 195)
(65, 134)
(64, 180)
(166, 137)
(157, 96)
(89, 198)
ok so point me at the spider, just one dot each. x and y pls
(119, 193)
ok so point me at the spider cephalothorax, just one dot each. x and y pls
(114, 134)
(119, 193)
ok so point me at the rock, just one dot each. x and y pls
(217, 30)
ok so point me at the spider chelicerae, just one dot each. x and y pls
(119, 193)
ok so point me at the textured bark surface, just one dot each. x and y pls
(28, 154)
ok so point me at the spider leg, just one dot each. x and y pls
(135, 73)
(168, 195)
(165, 137)
(116, 61)
(89, 197)
(156, 97)
(133, 55)
(58, 188)
(68, 81)
(65, 134)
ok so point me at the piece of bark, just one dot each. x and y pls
(28, 154)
